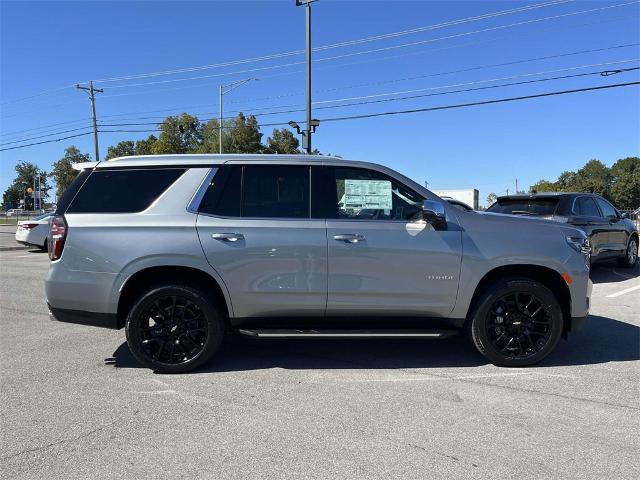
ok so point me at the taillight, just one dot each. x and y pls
(28, 226)
(57, 235)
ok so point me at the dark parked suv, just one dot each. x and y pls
(612, 235)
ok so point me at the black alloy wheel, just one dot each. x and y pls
(519, 324)
(516, 322)
(174, 329)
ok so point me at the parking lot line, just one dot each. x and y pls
(622, 292)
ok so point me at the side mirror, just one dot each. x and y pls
(625, 215)
(434, 213)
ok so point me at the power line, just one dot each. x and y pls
(367, 102)
(481, 67)
(19, 133)
(44, 136)
(46, 141)
(485, 102)
(396, 112)
(377, 50)
(430, 109)
(334, 45)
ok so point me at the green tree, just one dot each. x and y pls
(146, 146)
(244, 135)
(122, 149)
(491, 198)
(181, 134)
(210, 137)
(17, 192)
(543, 186)
(625, 183)
(594, 177)
(63, 172)
(282, 141)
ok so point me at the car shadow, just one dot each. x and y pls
(609, 272)
(602, 340)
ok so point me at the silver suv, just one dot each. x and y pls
(181, 250)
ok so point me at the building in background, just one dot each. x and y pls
(470, 196)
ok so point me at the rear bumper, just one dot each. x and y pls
(104, 320)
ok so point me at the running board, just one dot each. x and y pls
(348, 333)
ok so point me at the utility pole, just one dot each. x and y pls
(311, 123)
(92, 96)
(516, 186)
(228, 87)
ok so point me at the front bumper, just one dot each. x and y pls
(104, 320)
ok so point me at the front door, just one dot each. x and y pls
(617, 232)
(383, 258)
(256, 232)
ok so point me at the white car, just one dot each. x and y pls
(34, 231)
(14, 212)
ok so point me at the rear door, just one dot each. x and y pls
(383, 259)
(256, 230)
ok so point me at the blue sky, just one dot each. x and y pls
(48, 45)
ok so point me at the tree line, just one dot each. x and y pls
(620, 183)
(183, 133)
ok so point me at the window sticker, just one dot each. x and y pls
(366, 194)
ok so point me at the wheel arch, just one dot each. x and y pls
(543, 275)
(169, 273)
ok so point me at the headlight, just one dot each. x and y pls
(580, 244)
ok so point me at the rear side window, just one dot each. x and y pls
(223, 196)
(123, 191)
(585, 206)
(275, 191)
(70, 192)
(259, 191)
(538, 206)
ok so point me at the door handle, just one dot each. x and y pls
(228, 237)
(349, 237)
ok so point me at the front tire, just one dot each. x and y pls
(516, 323)
(631, 254)
(174, 328)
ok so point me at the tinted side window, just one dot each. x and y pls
(587, 207)
(607, 209)
(275, 191)
(122, 191)
(223, 195)
(362, 194)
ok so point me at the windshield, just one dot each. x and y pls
(535, 206)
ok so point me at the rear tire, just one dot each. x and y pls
(45, 246)
(630, 254)
(516, 323)
(174, 328)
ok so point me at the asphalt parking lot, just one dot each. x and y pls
(75, 405)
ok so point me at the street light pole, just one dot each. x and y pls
(306, 133)
(229, 87)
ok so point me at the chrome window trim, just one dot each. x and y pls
(194, 203)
